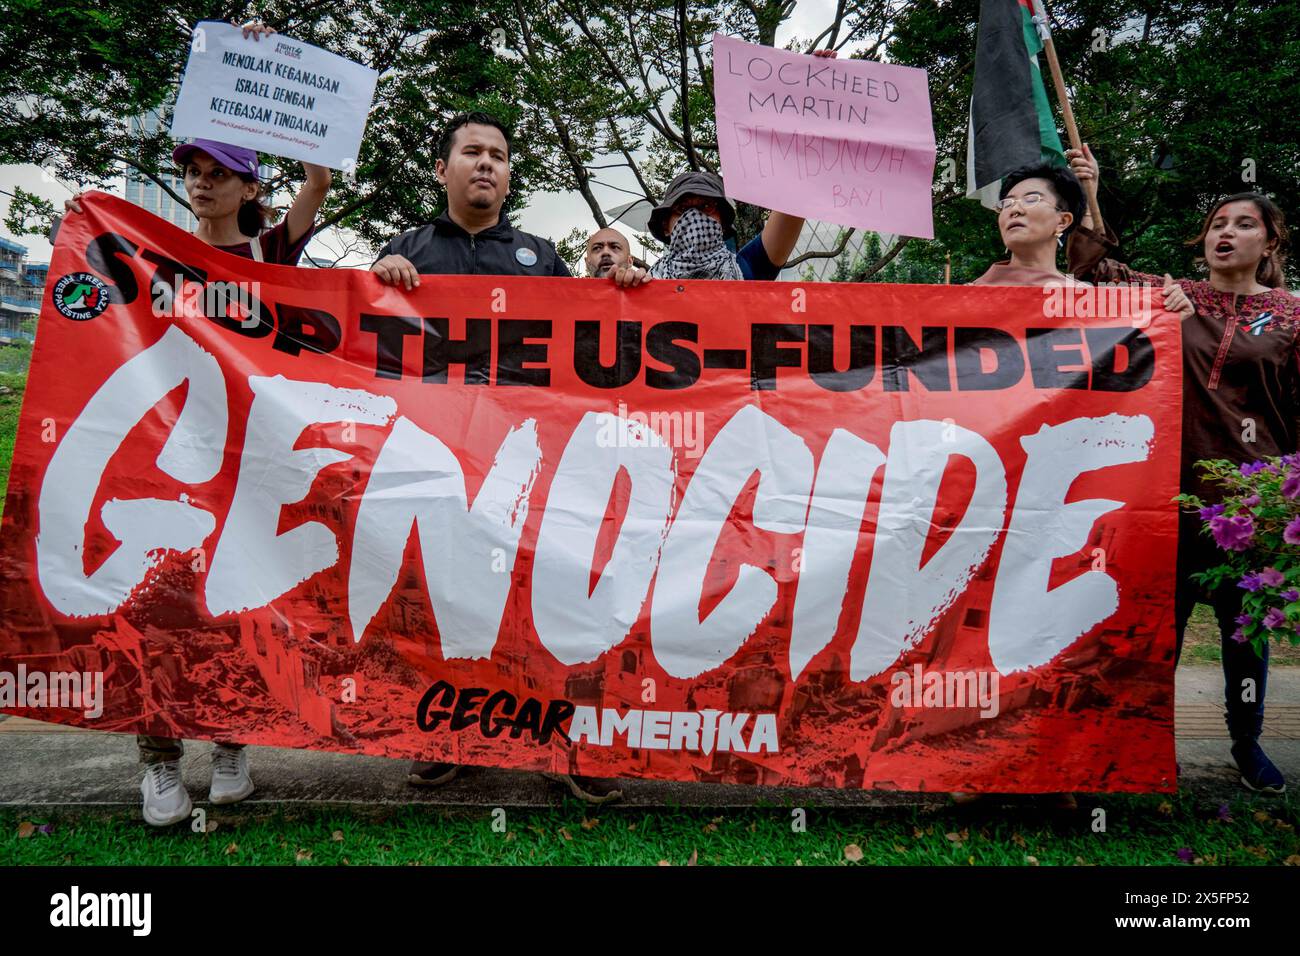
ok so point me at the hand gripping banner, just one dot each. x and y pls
(868, 536)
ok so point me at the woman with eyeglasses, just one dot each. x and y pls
(1241, 402)
(1038, 207)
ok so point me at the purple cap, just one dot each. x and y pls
(241, 161)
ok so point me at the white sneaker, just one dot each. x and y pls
(166, 800)
(230, 780)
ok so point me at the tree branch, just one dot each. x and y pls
(580, 175)
(868, 271)
(823, 253)
(833, 30)
(686, 85)
(665, 127)
(363, 201)
(153, 176)
(661, 127)
(636, 170)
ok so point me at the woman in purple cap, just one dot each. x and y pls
(221, 182)
(226, 197)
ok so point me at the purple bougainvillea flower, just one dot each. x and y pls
(1185, 854)
(1291, 534)
(1250, 501)
(1291, 595)
(1274, 618)
(1249, 582)
(1245, 620)
(1291, 484)
(1271, 578)
(1291, 460)
(1272, 469)
(1250, 468)
(1212, 511)
(1234, 533)
(1239, 636)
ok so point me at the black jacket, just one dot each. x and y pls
(444, 248)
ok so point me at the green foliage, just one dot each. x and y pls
(74, 76)
(1183, 102)
(572, 248)
(11, 401)
(28, 214)
(15, 359)
(1183, 118)
(1190, 91)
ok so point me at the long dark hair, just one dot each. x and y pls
(1272, 268)
(255, 215)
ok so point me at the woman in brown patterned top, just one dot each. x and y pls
(1241, 401)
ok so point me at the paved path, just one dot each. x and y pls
(50, 765)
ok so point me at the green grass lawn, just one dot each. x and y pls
(10, 404)
(1139, 830)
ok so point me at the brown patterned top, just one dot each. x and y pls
(1087, 254)
(1241, 363)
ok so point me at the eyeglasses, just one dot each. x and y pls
(1027, 200)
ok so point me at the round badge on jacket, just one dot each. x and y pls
(526, 256)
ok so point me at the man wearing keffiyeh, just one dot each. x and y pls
(697, 250)
(695, 220)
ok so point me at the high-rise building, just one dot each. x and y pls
(21, 285)
(146, 193)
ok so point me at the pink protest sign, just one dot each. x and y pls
(843, 141)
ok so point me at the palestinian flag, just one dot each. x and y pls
(1010, 122)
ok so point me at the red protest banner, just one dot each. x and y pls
(836, 535)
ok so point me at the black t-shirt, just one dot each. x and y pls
(444, 248)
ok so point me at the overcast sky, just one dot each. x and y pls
(552, 215)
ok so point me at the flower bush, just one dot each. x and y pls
(1257, 524)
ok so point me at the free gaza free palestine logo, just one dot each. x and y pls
(80, 296)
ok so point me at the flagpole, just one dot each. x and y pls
(1067, 112)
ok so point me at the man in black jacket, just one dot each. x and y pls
(473, 238)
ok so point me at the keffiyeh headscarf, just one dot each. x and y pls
(697, 250)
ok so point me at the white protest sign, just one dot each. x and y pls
(276, 94)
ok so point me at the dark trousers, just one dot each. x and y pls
(162, 749)
(1240, 661)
